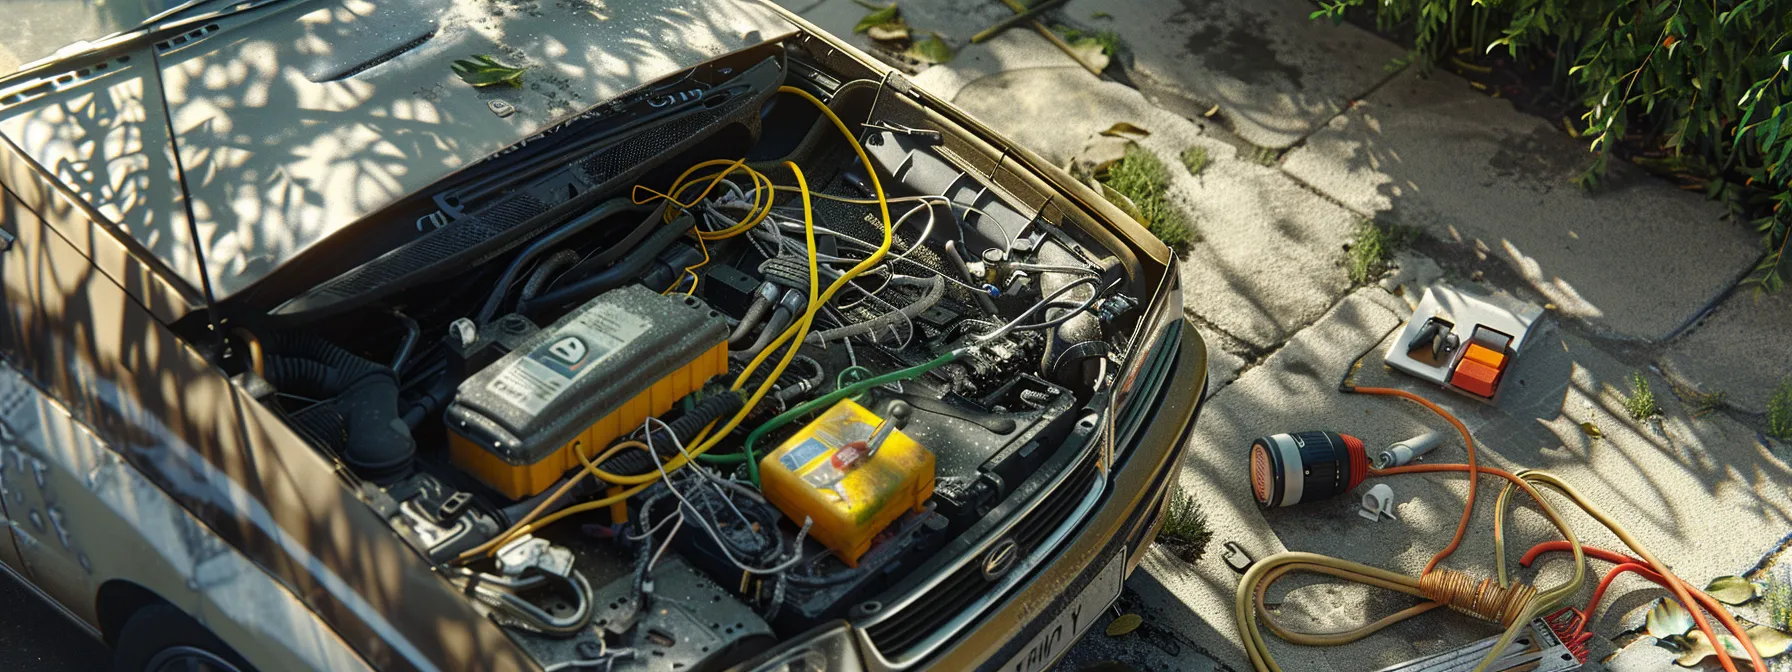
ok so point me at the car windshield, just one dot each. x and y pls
(37, 29)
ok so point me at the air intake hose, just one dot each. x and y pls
(370, 436)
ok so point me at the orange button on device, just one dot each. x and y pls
(1478, 370)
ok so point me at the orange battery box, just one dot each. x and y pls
(825, 473)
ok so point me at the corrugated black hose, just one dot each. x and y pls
(368, 433)
(685, 427)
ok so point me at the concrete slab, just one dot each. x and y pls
(1275, 74)
(1637, 259)
(1269, 260)
(1743, 350)
(1701, 494)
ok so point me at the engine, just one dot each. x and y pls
(724, 378)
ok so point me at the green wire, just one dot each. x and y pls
(746, 454)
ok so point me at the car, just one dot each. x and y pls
(518, 335)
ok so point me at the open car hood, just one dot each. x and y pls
(300, 119)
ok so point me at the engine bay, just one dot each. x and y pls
(745, 352)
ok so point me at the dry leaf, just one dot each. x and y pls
(1733, 589)
(889, 32)
(1126, 130)
(1668, 619)
(1124, 624)
(1698, 649)
(1768, 641)
(1592, 430)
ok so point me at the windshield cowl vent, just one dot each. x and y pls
(183, 39)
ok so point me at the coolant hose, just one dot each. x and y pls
(549, 269)
(936, 288)
(547, 242)
(627, 270)
(376, 444)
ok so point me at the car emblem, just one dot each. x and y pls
(1000, 559)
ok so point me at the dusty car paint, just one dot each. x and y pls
(81, 514)
(250, 481)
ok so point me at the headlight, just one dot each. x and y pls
(829, 648)
(1146, 365)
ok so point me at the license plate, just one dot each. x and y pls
(1056, 638)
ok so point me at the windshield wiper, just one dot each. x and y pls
(146, 33)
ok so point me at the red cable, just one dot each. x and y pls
(1630, 564)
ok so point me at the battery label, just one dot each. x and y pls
(536, 379)
(802, 454)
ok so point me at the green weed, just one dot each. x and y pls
(1142, 178)
(1185, 533)
(1194, 159)
(1779, 411)
(1641, 402)
(1373, 247)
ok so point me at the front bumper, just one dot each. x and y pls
(1123, 522)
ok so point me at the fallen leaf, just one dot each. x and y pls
(1768, 641)
(483, 70)
(1733, 589)
(1101, 15)
(1126, 130)
(1090, 50)
(1592, 430)
(880, 17)
(1211, 111)
(896, 31)
(1668, 619)
(1124, 624)
(931, 49)
(1698, 649)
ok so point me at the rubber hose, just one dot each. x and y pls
(548, 241)
(780, 320)
(936, 288)
(1065, 353)
(789, 393)
(755, 313)
(379, 445)
(625, 271)
(685, 427)
(547, 272)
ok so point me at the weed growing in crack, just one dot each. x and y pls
(1368, 254)
(1779, 411)
(1641, 403)
(1185, 533)
(1143, 180)
(1194, 159)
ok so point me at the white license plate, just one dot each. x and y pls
(1056, 638)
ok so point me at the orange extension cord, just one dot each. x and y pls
(1669, 579)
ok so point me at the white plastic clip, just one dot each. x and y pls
(1378, 502)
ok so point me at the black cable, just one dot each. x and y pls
(625, 271)
(552, 238)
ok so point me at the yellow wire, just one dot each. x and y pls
(800, 328)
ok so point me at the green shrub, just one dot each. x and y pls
(1704, 83)
(1142, 178)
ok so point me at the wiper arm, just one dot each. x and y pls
(145, 33)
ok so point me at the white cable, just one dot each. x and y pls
(795, 558)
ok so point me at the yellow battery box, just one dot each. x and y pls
(830, 472)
